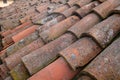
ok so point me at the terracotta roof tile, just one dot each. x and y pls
(58, 29)
(42, 8)
(85, 24)
(82, 2)
(106, 65)
(61, 9)
(105, 31)
(117, 10)
(2, 55)
(47, 53)
(69, 12)
(46, 19)
(27, 40)
(77, 56)
(58, 70)
(17, 36)
(24, 33)
(19, 73)
(6, 42)
(19, 15)
(3, 71)
(38, 17)
(80, 52)
(83, 11)
(5, 33)
(16, 57)
(51, 23)
(71, 2)
(16, 30)
(60, 40)
(105, 8)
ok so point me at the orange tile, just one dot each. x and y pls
(24, 33)
(58, 70)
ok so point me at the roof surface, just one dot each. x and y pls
(60, 40)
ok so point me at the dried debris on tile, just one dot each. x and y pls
(60, 40)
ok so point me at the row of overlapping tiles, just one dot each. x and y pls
(60, 41)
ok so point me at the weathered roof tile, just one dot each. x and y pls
(105, 31)
(106, 7)
(57, 39)
(85, 24)
(27, 40)
(14, 59)
(19, 72)
(3, 71)
(45, 55)
(58, 29)
(80, 52)
(117, 10)
(58, 70)
(106, 66)
(83, 11)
